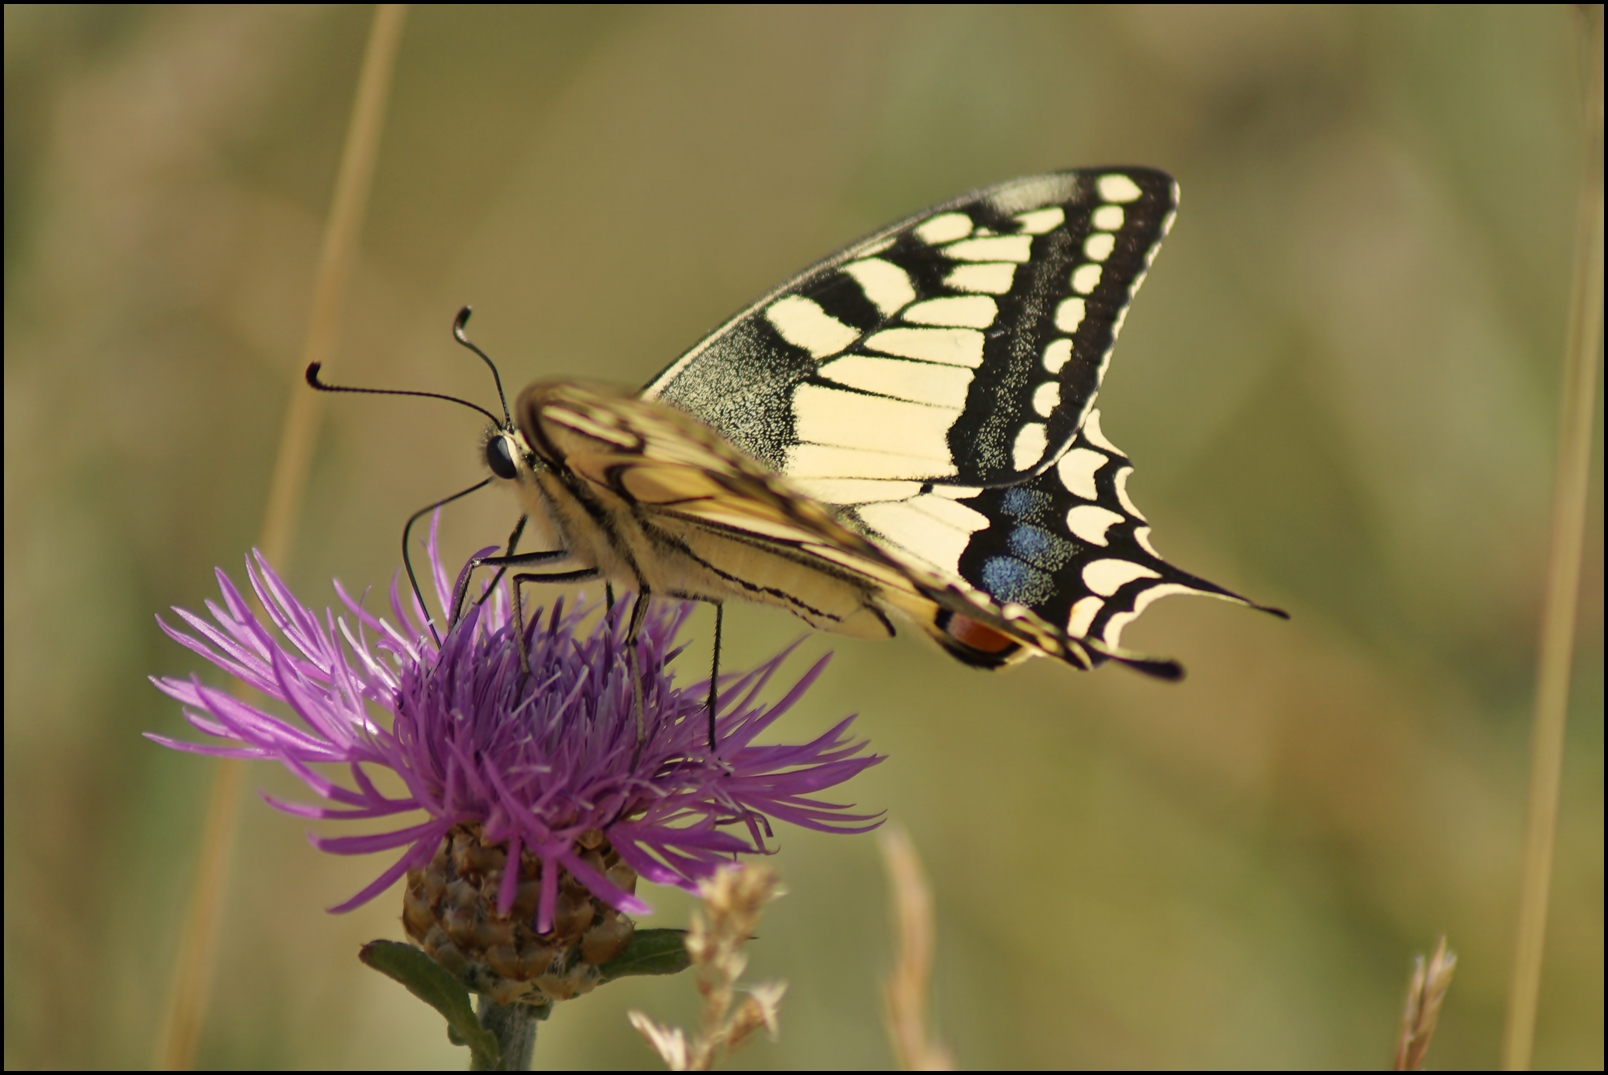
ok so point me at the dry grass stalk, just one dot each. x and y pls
(1561, 597)
(1424, 995)
(906, 990)
(175, 1050)
(733, 899)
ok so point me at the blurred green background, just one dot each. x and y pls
(1339, 386)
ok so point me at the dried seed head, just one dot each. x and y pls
(733, 899)
(1425, 993)
(668, 1041)
(759, 1009)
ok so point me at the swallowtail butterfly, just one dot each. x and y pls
(905, 429)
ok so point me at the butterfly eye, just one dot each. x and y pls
(499, 459)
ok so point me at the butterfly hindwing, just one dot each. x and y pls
(1070, 545)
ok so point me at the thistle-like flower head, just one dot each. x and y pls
(544, 769)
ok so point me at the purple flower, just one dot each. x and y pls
(544, 769)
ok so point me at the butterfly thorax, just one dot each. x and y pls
(655, 500)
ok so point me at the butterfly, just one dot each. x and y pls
(904, 430)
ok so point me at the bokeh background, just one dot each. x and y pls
(1339, 386)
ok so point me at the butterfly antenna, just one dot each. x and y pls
(312, 379)
(462, 337)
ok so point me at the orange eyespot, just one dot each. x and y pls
(978, 636)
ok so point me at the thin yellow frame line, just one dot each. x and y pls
(192, 975)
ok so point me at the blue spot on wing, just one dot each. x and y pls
(1009, 579)
(1040, 547)
(1021, 502)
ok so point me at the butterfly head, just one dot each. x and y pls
(507, 455)
(505, 449)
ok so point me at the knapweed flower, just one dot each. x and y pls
(544, 770)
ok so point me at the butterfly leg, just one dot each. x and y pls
(407, 560)
(513, 543)
(524, 559)
(639, 613)
(714, 676)
(578, 575)
(502, 564)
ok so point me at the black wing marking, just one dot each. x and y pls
(934, 385)
(965, 344)
(1071, 545)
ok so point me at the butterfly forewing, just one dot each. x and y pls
(963, 345)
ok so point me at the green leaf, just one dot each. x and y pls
(651, 951)
(433, 985)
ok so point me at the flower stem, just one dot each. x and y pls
(514, 1026)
